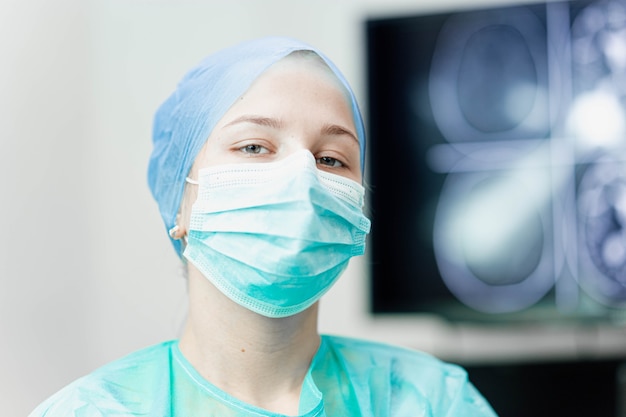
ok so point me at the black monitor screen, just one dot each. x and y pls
(497, 174)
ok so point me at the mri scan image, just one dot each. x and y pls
(498, 161)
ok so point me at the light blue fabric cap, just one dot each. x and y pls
(185, 120)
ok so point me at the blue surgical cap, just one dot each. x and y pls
(185, 120)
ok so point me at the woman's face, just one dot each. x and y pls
(296, 104)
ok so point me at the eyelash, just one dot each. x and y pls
(330, 159)
(255, 149)
(247, 149)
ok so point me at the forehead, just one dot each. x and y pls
(297, 87)
(308, 67)
(309, 60)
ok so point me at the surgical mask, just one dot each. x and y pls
(274, 237)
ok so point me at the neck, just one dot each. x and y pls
(259, 360)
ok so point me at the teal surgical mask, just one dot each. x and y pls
(274, 237)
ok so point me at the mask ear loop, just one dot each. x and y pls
(192, 182)
(173, 232)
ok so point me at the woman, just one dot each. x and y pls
(257, 170)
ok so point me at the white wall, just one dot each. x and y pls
(44, 249)
(86, 269)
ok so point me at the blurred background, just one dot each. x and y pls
(496, 169)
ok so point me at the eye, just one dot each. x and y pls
(329, 161)
(254, 149)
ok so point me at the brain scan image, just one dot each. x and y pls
(512, 126)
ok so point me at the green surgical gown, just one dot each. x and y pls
(347, 377)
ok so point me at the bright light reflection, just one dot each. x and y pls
(597, 120)
(495, 215)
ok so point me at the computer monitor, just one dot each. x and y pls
(497, 162)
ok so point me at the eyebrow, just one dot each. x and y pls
(336, 130)
(257, 120)
(328, 129)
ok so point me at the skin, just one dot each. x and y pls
(296, 104)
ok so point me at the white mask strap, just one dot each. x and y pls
(190, 181)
